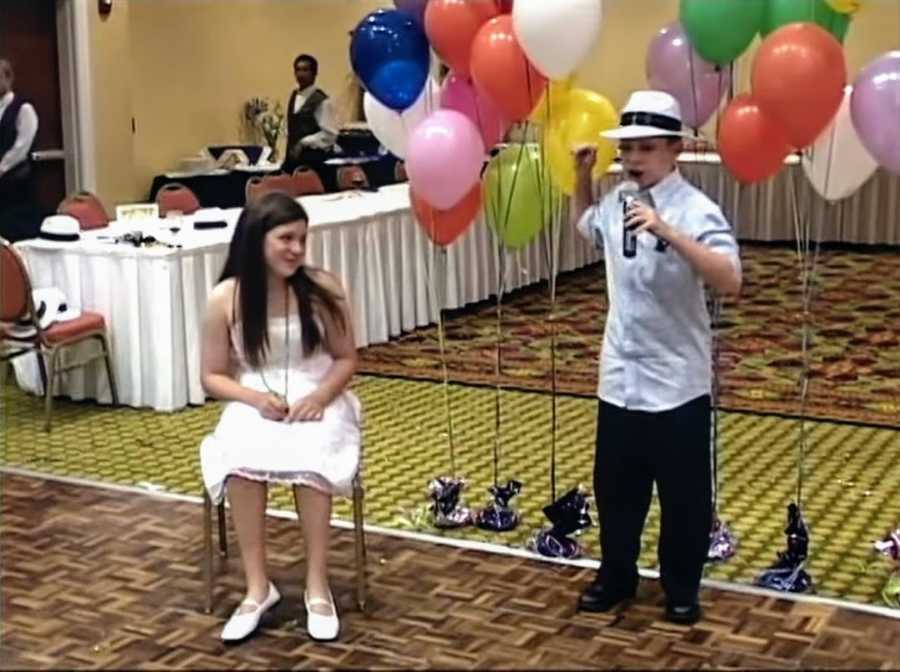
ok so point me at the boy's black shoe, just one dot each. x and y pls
(599, 597)
(684, 614)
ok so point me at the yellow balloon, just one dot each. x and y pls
(585, 115)
(845, 6)
(552, 101)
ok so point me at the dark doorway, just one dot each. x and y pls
(28, 39)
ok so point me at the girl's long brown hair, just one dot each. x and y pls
(246, 263)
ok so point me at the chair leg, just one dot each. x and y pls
(48, 389)
(207, 552)
(359, 544)
(223, 530)
(113, 390)
(42, 368)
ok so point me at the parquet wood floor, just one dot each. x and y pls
(94, 578)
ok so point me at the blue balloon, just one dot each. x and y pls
(389, 52)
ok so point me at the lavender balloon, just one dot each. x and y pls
(875, 109)
(414, 7)
(673, 65)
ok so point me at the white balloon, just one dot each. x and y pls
(838, 163)
(392, 128)
(557, 35)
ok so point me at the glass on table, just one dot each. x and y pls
(174, 220)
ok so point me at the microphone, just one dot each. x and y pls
(629, 237)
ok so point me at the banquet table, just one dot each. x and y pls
(222, 188)
(153, 298)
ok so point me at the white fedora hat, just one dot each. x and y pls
(649, 114)
(61, 228)
(50, 307)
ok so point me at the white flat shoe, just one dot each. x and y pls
(242, 625)
(320, 627)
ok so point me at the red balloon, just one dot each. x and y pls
(445, 226)
(799, 74)
(502, 72)
(451, 25)
(752, 145)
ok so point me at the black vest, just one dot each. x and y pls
(304, 122)
(8, 135)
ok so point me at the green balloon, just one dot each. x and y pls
(782, 12)
(517, 195)
(721, 30)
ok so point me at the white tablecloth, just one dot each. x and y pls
(153, 299)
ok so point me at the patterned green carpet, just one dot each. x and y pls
(852, 488)
(855, 367)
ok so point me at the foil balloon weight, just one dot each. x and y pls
(568, 515)
(446, 508)
(787, 574)
(498, 515)
(722, 542)
(889, 547)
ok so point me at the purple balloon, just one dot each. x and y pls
(414, 7)
(875, 109)
(674, 66)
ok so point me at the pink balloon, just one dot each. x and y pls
(444, 158)
(674, 66)
(458, 93)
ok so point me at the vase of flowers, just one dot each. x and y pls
(267, 121)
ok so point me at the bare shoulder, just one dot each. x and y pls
(221, 297)
(327, 280)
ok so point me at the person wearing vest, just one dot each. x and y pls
(18, 127)
(310, 121)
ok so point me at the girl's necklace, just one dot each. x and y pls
(287, 354)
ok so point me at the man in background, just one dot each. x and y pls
(310, 119)
(18, 128)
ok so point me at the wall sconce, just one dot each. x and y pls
(104, 7)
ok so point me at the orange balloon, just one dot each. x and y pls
(451, 25)
(445, 226)
(799, 74)
(502, 72)
(752, 145)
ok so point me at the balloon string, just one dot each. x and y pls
(696, 111)
(551, 214)
(554, 401)
(501, 286)
(445, 370)
(438, 292)
(499, 360)
(802, 227)
(714, 407)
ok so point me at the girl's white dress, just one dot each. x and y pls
(323, 454)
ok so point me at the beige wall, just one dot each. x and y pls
(197, 61)
(184, 68)
(112, 105)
